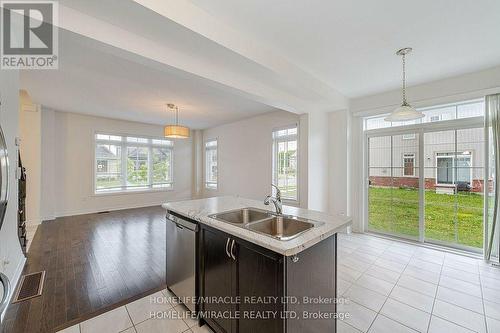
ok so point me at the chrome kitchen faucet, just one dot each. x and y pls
(275, 200)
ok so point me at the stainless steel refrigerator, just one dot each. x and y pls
(4, 194)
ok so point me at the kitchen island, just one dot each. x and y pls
(248, 281)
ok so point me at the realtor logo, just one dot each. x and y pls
(29, 36)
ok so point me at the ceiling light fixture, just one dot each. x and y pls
(405, 111)
(176, 131)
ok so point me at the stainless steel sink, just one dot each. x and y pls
(282, 227)
(242, 216)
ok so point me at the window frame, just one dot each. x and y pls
(124, 144)
(434, 118)
(367, 127)
(462, 123)
(453, 157)
(413, 156)
(275, 140)
(211, 185)
(409, 136)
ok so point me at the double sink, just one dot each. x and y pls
(282, 227)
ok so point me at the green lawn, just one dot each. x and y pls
(107, 183)
(450, 218)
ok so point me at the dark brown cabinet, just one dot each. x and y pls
(242, 282)
(244, 287)
(259, 279)
(217, 280)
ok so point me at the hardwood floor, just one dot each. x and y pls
(93, 263)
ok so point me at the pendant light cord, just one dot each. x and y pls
(404, 80)
(176, 116)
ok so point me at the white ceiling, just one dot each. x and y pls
(98, 80)
(350, 44)
(223, 60)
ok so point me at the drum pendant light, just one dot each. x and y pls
(176, 131)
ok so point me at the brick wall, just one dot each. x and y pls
(430, 183)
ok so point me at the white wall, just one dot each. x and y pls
(68, 165)
(318, 196)
(455, 89)
(30, 148)
(245, 155)
(48, 164)
(339, 163)
(11, 257)
(197, 180)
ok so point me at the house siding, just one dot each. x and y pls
(384, 172)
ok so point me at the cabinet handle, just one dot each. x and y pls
(227, 248)
(232, 254)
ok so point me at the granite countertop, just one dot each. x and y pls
(199, 210)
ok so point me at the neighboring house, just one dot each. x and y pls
(443, 168)
(107, 160)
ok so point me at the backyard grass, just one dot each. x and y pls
(450, 218)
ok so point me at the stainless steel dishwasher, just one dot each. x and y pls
(181, 259)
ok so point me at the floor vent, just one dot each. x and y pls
(31, 285)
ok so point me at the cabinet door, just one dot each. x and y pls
(217, 271)
(259, 275)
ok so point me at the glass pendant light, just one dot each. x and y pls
(176, 131)
(404, 112)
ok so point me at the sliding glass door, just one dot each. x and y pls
(393, 196)
(454, 195)
(425, 178)
(442, 205)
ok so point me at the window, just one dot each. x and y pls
(410, 136)
(467, 109)
(211, 164)
(285, 161)
(409, 164)
(444, 165)
(125, 163)
(453, 169)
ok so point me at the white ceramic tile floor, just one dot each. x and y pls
(151, 314)
(493, 325)
(461, 299)
(425, 290)
(370, 282)
(460, 316)
(439, 325)
(72, 329)
(459, 285)
(413, 298)
(392, 287)
(139, 310)
(418, 273)
(406, 315)
(371, 299)
(382, 324)
(383, 274)
(460, 275)
(421, 286)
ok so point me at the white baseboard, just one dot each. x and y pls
(93, 211)
(47, 218)
(33, 222)
(15, 280)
